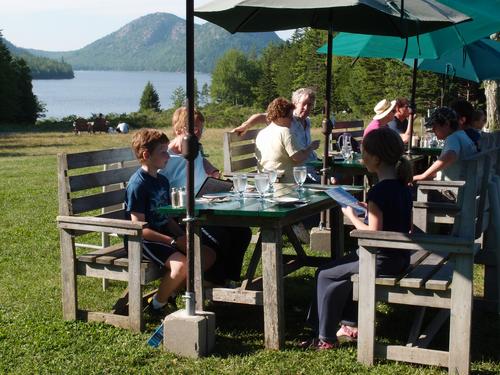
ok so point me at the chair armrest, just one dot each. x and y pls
(432, 184)
(437, 206)
(416, 241)
(98, 224)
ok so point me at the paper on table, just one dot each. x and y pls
(344, 198)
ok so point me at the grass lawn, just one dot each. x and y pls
(35, 339)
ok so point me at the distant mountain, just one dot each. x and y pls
(41, 67)
(157, 42)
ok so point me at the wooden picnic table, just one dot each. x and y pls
(426, 151)
(355, 166)
(274, 220)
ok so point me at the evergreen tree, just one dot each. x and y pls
(178, 97)
(149, 99)
(27, 106)
(233, 78)
(204, 94)
(18, 104)
(265, 90)
(7, 85)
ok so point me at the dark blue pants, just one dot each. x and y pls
(332, 301)
(230, 244)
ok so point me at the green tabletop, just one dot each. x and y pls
(427, 151)
(252, 206)
(355, 163)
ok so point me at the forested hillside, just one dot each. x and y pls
(248, 80)
(157, 42)
(42, 67)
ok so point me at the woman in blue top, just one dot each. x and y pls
(389, 206)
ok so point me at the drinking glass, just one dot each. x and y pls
(273, 175)
(240, 184)
(300, 175)
(262, 184)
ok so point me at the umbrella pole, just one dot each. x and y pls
(443, 83)
(190, 145)
(413, 106)
(327, 123)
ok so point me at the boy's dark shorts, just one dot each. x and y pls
(157, 252)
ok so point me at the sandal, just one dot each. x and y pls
(347, 333)
(326, 345)
(310, 343)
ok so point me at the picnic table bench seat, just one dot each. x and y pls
(91, 195)
(440, 276)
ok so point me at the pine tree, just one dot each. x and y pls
(149, 99)
(27, 107)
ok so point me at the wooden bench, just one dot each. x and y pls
(487, 225)
(100, 125)
(239, 152)
(81, 125)
(91, 196)
(440, 276)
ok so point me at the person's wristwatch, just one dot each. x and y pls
(173, 242)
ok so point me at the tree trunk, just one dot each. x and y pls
(492, 100)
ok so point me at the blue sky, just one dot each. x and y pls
(63, 25)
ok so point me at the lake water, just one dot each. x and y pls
(106, 91)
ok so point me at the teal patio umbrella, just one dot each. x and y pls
(485, 20)
(475, 62)
(396, 17)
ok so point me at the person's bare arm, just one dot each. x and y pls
(301, 156)
(255, 119)
(210, 169)
(375, 217)
(152, 235)
(443, 162)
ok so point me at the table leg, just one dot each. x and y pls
(336, 232)
(272, 272)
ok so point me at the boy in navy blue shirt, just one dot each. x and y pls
(164, 242)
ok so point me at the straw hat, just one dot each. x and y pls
(383, 108)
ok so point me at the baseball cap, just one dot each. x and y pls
(441, 115)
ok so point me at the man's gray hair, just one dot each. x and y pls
(304, 91)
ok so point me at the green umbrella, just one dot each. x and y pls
(365, 16)
(485, 20)
(475, 62)
(394, 17)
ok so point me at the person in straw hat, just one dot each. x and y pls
(384, 113)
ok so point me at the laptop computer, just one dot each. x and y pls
(214, 185)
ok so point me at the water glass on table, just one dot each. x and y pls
(300, 175)
(240, 184)
(273, 175)
(262, 184)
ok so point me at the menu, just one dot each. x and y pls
(344, 198)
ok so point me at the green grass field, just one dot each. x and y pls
(35, 339)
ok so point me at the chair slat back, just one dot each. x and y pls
(354, 127)
(94, 181)
(239, 152)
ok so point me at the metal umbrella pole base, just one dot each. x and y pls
(189, 335)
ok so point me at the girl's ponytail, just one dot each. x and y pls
(386, 144)
(404, 170)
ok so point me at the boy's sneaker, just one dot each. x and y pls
(302, 233)
(169, 307)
